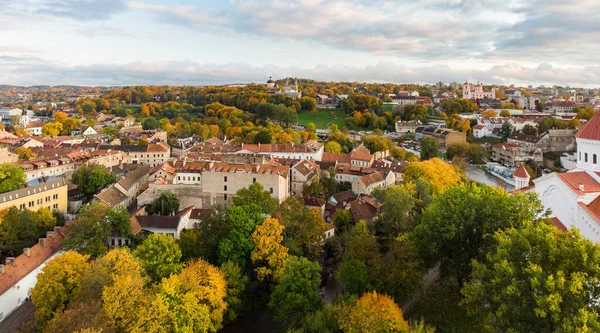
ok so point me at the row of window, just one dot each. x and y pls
(32, 203)
(585, 157)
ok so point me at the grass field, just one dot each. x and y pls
(322, 118)
(387, 107)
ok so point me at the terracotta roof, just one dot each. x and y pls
(340, 197)
(361, 153)
(557, 223)
(111, 197)
(478, 127)
(333, 157)
(186, 211)
(134, 176)
(362, 210)
(522, 172)
(574, 179)
(24, 264)
(306, 167)
(371, 179)
(591, 129)
(314, 202)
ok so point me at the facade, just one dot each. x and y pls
(149, 154)
(562, 140)
(361, 156)
(303, 172)
(7, 157)
(480, 131)
(367, 183)
(445, 136)
(126, 189)
(475, 91)
(35, 128)
(407, 126)
(49, 193)
(47, 167)
(512, 154)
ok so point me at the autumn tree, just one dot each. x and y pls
(458, 225)
(373, 313)
(257, 195)
(537, 279)
(296, 293)
(268, 253)
(333, 147)
(166, 204)
(241, 221)
(429, 148)
(12, 177)
(436, 172)
(52, 129)
(304, 226)
(21, 229)
(505, 113)
(196, 296)
(91, 178)
(160, 256)
(57, 284)
(236, 285)
(25, 154)
(488, 113)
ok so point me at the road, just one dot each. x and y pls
(483, 177)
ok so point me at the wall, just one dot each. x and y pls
(61, 202)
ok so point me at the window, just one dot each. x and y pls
(594, 160)
(55, 196)
(22, 206)
(55, 206)
(225, 179)
(39, 201)
(112, 242)
(225, 197)
(253, 180)
(48, 199)
(271, 189)
(120, 242)
(585, 157)
(225, 187)
(31, 203)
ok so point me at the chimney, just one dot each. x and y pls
(1, 269)
(27, 251)
(581, 187)
(42, 242)
(50, 234)
(10, 261)
(57, 229)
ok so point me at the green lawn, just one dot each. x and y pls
(387, 107)
(322, 118)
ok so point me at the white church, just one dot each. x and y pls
(574, 197)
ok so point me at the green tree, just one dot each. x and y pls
(12, 177)
(189, 242)
(353, 274)
(296, 293)
(213, 229)
(263, 137)
(91, 178)
(160, 256)
(57, 284)
(398, 205)
(537, 279)
(236, 285)
(506, 130)
(22, 228)
(150, 123)
(458, 225)
(429, 148)
(166, 204)
(342, 219)
(308, 103)
(109, 131)
(255, 194)
(241, 221)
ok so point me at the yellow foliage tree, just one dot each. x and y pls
(125, 303)
(52, 129)
(465, 126)
(191, 301)
(488, 113)
(373, 313)
(268, 253)
(57, 284)
(25, 154)
(436, 172)
(60, 116)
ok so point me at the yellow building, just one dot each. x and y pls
(51, 194)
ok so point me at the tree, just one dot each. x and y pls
(150, 123)
(436, 172)
(12, 177)
(458, 225)
(25, 154)
(333, 147)
(60, 116)
(95, 224)
(189, 242)
(303, 225)
(263, 137)
(21, 229)
(537, 279)
(529, 130)
(429, 148)
(236, 285)
(255, 194)
(91, 178)
(160, 256)
(109, 131)
(586, 113)
(373, 313)
(241, 221)
(296, 293)
(52, 129)
(166, 204)
(398, 204)
(506, 130)
(353, 274)
(193, 300)
(268, 253)
(488, 113)
(505, 113)
(57, 284)
(308, 103)
(342, 219)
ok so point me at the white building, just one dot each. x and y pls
(475, 91)
(480, 131)
(574, 196)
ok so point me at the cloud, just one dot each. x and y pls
(81, 10)
(33, 71)
(435, 30)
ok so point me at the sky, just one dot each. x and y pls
(199, 42)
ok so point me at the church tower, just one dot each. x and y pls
(588, 145)
(521, 177)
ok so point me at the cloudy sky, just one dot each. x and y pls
(194, 42)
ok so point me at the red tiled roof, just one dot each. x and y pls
(574, 179)
(558, 224)
(478, 127)
(521, 172)
(591, 129)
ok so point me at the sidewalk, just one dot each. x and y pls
(13, 322)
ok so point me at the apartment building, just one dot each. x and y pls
(149, 154)
(50, 193)
(303, 172)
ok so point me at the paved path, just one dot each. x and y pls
(15, 320)
(428, 279)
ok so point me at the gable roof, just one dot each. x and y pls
(591, 129)
(521, 172)
(574, 179)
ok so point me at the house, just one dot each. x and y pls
(86, 130)
(125, 190)
(338, 99)
(169, 225)
(361, 156)
(149, 154)
(408, 126)
(35, 128)
(323, 99)
(7, 157)
(445, 136)
(50, 193)
(480, 131)
(19, 275)
(363, 208)
(303, 172)
(512, 154)
(367, 183)
(390, 164)
(47, 167)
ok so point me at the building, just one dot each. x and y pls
(480, 131)
(361, 156)
(445, 136)
(125, 190)
(50, 193)
(303, 172)
(562, 140)
(367, 183)
(7, 157)
(168, 225)
(521, 177)
(149, 154)
(47, 167)
(512, 154)
(338, 99)
(409, 126)
(476, 91)
(35, 128)
(19, 275)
